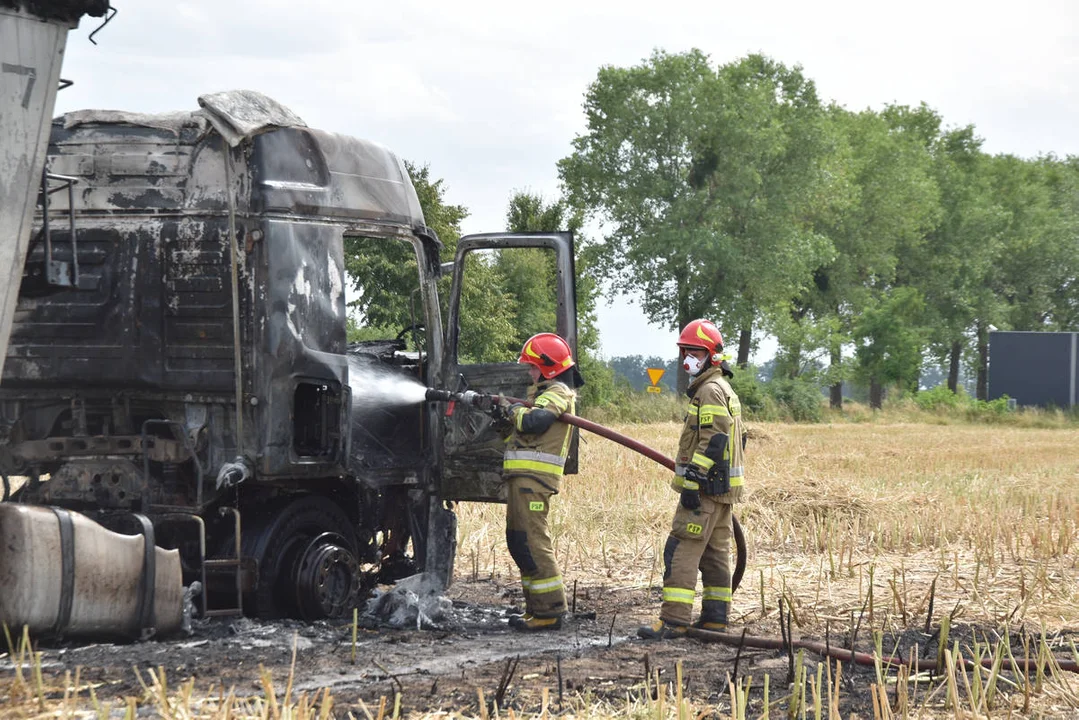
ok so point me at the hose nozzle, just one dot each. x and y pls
(471, 398)
(436, 395)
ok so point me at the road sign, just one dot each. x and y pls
(654, 388)
(654, 374)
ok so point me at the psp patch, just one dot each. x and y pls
(694, 528)
(536, 506)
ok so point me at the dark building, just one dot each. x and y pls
(1035, 368)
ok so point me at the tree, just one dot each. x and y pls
(383, 276)
(886, 202)
(889, 342)
(529, 277)
(633, 369)
(702, 180)
(957, 259)
(631, 169)
(766, 161)
(383, 272)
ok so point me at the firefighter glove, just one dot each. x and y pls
(501, 408)
(690, 499)
(691, 487)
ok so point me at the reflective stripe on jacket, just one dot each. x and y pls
(541, 455)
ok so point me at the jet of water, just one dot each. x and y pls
(375, 385)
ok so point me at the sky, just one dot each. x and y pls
(489, 94)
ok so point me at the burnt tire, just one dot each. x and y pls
(302, 543)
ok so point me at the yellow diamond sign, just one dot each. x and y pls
(654, 374)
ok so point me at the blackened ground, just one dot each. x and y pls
(596, 655)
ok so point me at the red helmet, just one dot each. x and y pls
(548, 352)
(703, 334)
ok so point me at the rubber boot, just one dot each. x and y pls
(661, 630)
(531, 623)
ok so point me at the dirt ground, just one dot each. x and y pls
(595, 658)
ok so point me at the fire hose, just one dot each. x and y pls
(861, 658)
(486, 401)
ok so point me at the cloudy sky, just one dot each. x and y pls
(489, 93)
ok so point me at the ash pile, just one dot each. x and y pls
(417, 603)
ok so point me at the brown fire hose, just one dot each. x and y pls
(861, 658)
(650, 453)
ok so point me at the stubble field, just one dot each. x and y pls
(954, 542)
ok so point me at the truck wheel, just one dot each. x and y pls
(307, 566)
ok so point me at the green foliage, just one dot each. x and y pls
(384, 275)
(989, 410)
(443, 218)
(384, 272)
(735, 192)
(752, 393)
(631, 406)
(601, 388)
(633, 369)
(354, 332)
(529, 276)
(940, 397)
(942, 401)
(796, 399)
(488, 314)
(889, 339)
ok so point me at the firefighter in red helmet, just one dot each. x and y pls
(709, 479)
(532, 466)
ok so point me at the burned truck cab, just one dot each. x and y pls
(180, 354)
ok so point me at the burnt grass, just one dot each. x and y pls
(595, 658)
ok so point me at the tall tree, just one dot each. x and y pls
(887, 203)
(529, 277)
(383, 272)
(631, 168)
(958, 257)
(889, 342)
(702, 180)
(764, 164)
(383, 278)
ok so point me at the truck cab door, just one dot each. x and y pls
(541, 265)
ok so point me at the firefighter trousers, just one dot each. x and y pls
(699, 540)
(529, 541)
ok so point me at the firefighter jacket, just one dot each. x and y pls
(538, 443)
(711, 443)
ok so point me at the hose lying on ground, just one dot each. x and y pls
(861, 658)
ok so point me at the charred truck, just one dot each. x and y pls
(178, 367)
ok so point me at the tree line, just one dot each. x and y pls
(870, 239)
(865, 242)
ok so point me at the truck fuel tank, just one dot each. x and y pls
(61, 573)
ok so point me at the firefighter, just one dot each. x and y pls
(532, 465)
(709, 480)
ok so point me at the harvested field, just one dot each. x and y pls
(865, 533)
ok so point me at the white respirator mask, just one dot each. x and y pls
(692, 365)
